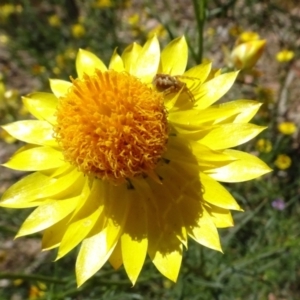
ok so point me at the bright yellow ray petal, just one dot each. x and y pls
(115, 258)
(59, 87)
(199, 72)
(53, 234)
(87, 62)
(48, 214)
(42, 106)
(191, 119)
(230, 135)
(32, 132)
(130, 55)
(221, 217)
(35, 159)
(216, 194)
(96, 249)
(174, 57)
(168, 262)
(205, 233)
(246, 109)
(146, 65)
(116, 62)
(38, 186)
(214, 89)
(246, 167)
(83, 221)
(134, 240)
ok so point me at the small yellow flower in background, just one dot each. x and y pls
(264, 145)
(78, 30)
(283, 162)
(265, 94)
(38, 69)
(4, 135)
(211, 31)
(103, 3)
(247, 36)
(37, 291)
(287, 128)
(54, 21)
(285, 55)
(4, 39)
(130, 157)
(7, 10)
(159, 31)
(245, 55)
(18, 282)
(235, 30)
(134, 19)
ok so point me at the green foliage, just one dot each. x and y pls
(261, 252)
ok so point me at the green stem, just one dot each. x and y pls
(200, 14)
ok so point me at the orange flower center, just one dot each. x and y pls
(112, 126)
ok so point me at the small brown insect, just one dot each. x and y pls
(171, 84)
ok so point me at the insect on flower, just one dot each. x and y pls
(172, 84)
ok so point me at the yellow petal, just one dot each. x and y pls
(146, 65)
(174, 57)
(53, 234)
(48, 214)
(59, 87)
(221, 217)
(27, 191)
(96, 249)
(168, 263)
(115, 258)
(246, 109)
(199, 72)
(214, 89)
(246, 167)
(87, 62)
(116, 62)
(32, 132)
(230, 135)
(83, 221)
(134, 240)
(35, 159)
(130, 55)
(42, 106)
(205, 233)
(216, 194)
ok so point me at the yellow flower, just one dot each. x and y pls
(264, 146)
(287, 128)
(285, 56)
(245, 55)
(103, 3)
(54, 21)
(283, 162)
(134, 19)
(248, 36)
(78, 30)
(128, 159)
(159, 31)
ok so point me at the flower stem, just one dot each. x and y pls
(200, 14)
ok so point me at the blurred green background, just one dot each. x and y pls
(261, 260)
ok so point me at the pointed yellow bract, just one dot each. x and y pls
(128, 168)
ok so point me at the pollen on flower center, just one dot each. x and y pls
(112, 126)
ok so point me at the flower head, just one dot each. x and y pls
(283, 161)
(245, 55)
(128, 159)
(78, 30)
(287, 128)
(285, 56)
(278, 204)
